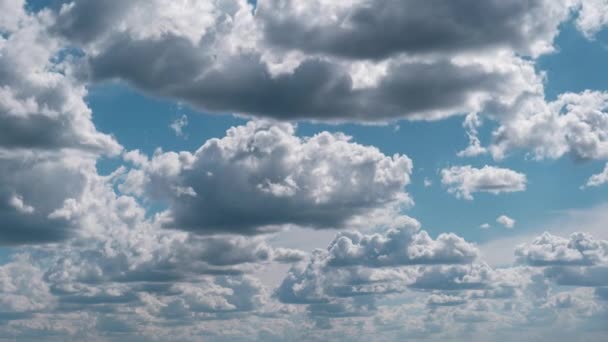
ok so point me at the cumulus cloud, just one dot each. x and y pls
(355, 264)
(506, 221)
(246, 54)
(402, 246)
(26, 216)
(552, 250)
(592, 17)
(262, 175)
(366, 30)
(463, 181)
(41, 104)
(579, 261)
(178, 125)
(575, 123)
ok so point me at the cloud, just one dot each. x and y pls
(23, 290)
(234, 48)
(550, 250)
(575, 123)
(463, 181)
(355, 265)
(593, 276)
(178, 125)
(402, 246)
(506, 221)
(41, 104)
(261, 176)
(366, 30)
(597, 179)
(592, 17)
(25, 215)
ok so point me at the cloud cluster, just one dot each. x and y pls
(463, 181)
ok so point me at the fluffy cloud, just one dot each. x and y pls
(402, 246)
(261, 175)
(463, 181)
(551, 250)
(597, 179)
(506, 221)
(593, 17)
(41, 104)
(23, 290)
(355, 264)
(574, 123)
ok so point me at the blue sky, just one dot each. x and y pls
(181, 171)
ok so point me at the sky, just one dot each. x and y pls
(280, 170)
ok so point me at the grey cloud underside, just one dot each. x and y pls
(379, 29)
(317, 89)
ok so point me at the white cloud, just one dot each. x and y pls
(551, 250)
(463, 181)
(485, 226)
(597, 179)
(574, 123)
(506, 221)
(593, 17)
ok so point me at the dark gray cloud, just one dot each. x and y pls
(379, 29)
(317, 89)
(32, 193)
(356, 265)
